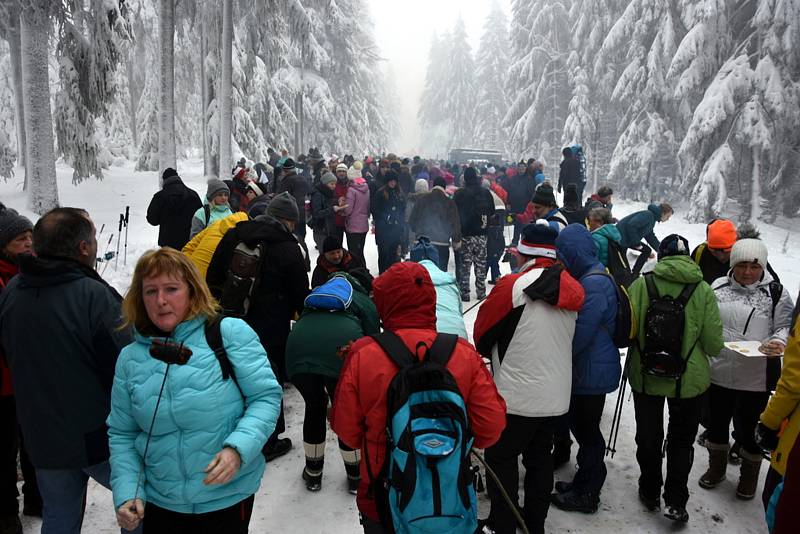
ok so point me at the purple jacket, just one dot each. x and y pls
(357, 211)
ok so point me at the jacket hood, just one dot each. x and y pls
(232, 220)
(172, 181)
(438, 276)
(655, 209)
(679, 269)
(766, 280)
(576, 250)
(264, 228)
(610, 232)
(405, 297)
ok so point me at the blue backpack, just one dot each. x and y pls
(577, 151)
(426, 479)
(334, 295)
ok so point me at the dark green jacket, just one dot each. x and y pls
(702, 324)
(318, 336)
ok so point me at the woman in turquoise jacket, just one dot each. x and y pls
(186, 442)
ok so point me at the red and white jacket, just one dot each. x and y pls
(525, 327)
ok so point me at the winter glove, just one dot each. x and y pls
(766, 438)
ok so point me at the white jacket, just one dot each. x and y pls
(747, 315)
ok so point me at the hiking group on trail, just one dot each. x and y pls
(171, 396)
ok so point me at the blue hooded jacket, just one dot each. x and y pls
(638, 226)
(601, 236)
(596, 365)
(448, 301)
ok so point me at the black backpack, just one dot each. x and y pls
(625, 326)
(213, 333)
(662, 354)
(618, 265)
(241, 280)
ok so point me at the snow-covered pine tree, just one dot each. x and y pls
(434, 124)
(8, 146)
(459, 81)
(491, 69)
(40, 157)
(9, 30)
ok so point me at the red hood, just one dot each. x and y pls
(405, 297)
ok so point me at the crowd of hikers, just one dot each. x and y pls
(171, 396)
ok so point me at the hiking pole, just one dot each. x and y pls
(125, 258)
(119, 231)
(106, 254)
(473, 306)
(611, 445)
(512, 505)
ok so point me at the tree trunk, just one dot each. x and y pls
(225, 108)
(40, 156)
(134, 93)
(206, 90)
(755, 187)
(16, 77)
(166, 97)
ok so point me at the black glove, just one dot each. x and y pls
(766, 438)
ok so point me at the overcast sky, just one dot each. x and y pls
(403, 30)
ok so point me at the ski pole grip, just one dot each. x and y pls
(127, 212)
(120, 223)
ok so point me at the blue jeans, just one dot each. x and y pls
(494, 267)
(64, 496)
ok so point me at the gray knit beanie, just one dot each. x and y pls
(11, 225)
(216, 187)
(283, 206)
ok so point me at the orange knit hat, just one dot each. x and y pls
(721, 234)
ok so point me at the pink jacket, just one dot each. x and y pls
(357, 211)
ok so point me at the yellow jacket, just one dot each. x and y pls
(784, 404)
(202, 246)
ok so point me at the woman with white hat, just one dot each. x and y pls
(752, 307)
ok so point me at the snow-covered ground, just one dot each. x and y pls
(284, 505)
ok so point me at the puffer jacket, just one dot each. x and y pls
(199, 414)
(406, 301)
(747, 315)
(638, 226)
(596, 367)
(601, 236)
(357, 211)
(216, 213)
(319, 339)
(526, 327)
(784, 405)
(202, 246)
(702, 329)
(449, 318)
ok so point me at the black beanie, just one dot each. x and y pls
(168, 172)
(673, 245)
(544, 196)
(331, 243)
(470, 176)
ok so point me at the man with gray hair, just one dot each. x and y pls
(59, 329)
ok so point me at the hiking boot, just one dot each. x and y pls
(562, 486)
(717, 465)
(652, 504)
(313, 482)
(277, 449)
(677, 514)
(748, 479)
(575, 502)
(10, 524)
(735, 455)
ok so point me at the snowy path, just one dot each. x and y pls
(284, 505)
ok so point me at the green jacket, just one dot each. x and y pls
(316, 340)
(601, 236)
(702, 324)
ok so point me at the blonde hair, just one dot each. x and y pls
(167, 261)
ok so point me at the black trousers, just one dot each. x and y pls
(444, 256)
(277, 360)
(744, 407)
(585, 412)
(232, 520)
(684, 417)
(11, 443)
(372, 527)
(388, 252)
(531, 437)
(355, 245)
(316, 390)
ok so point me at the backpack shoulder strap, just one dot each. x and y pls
(442, 348)
(207, 211)
(213, 331)
(687, 293)
(394, 347)
(698, 253)
(652, 290)
(775, 292)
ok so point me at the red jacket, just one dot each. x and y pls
(340, 192)
(7, 271)
(406, 301)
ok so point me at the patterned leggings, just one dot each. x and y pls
(473, 252)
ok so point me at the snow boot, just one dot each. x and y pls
(677, 514)
(572, 501)
(351, 462)
(717, 465)
(315, 461)
(652, 504)
(748, 479)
